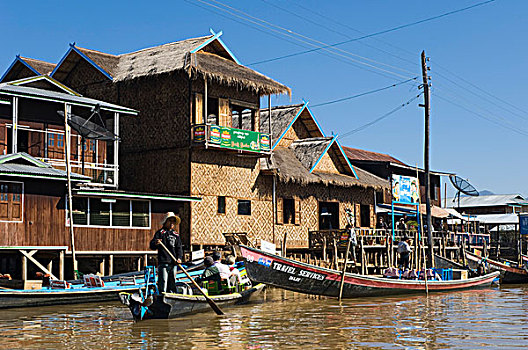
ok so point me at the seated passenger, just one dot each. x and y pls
(235, 274)
(211, 273)
(224, 270)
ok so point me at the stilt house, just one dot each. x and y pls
(201, 133)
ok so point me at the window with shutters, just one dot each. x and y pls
(101, 212)
(11, 201)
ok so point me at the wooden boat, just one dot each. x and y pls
(77, 291)
(293, 275)
(75, 294)
(508, 274)
(172, 305)
(445, 263)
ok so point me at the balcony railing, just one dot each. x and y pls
(104, 174)
(245, 141)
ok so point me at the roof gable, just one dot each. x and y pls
(283, 119)
(101, 62)
(24, 165)
(44, 82)
(23, 159)
(24, 67)
(322, 154)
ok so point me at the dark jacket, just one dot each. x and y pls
(211, 273)
(172, 241)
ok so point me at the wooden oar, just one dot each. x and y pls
(210, 301)
(344, 267)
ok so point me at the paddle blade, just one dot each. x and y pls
(213, 306)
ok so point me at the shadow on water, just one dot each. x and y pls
(485, 318)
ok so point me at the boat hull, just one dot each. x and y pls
(289, 274)
(42, 297)
(170, 305)
(508, 274)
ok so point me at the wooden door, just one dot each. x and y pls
(224, 112)
(198, 109)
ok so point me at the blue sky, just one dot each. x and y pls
(479, 119)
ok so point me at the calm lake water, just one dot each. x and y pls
(480, 319)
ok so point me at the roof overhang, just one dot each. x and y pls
(135, 195)
(59, 97)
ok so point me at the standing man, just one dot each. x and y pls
(404, 249)
(171, 239)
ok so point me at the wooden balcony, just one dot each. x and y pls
(231, 139)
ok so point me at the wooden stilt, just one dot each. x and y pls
(102, 266)
(111, 264)
(61, 265)
(24, 268)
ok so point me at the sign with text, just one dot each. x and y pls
(198, 255)
(268, 247)
(225, 137)
(523, 224)
(405, 189)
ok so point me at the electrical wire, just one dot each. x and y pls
(374, 34)
(362, 94)
(502, 125)
(302, 38)
(364, 126)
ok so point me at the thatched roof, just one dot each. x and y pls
(212, 60)
(228, 72)
(308, 151)
(25, 67)
(40, 66)
(281, 117)
(290, 170)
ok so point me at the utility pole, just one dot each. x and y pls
(427, 107)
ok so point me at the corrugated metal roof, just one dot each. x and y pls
(487, 201)
(498, 219)
(29, 92)
(24, 165)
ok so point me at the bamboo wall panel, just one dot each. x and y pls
(298, 131)
(327, 165)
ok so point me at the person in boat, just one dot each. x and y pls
(235, 274)
(167, 269)
(211, 272)
(404, 249)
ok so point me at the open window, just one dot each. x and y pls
(11, 195)
(364, 212)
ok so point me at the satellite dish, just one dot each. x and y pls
(462, 186)
(89, 129)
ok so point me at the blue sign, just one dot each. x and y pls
(405, 189)
(523, 224)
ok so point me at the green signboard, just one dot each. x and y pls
(238, 139)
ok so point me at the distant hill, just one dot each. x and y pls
(485, 193)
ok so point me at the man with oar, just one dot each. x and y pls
(210, 301)
(169, 238)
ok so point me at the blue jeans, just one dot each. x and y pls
(167, 278)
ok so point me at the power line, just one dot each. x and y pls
(517, 130)
(362, 94)
(374, 34)
(364, 126)
(304, 39)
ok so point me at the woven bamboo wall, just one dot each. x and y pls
(217, 173)
(326, 165)
(296, 132)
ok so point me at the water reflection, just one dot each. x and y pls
(487, 318)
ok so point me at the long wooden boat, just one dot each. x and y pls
(10, 298)
(445, 263)
(508, 274)
(171, 305)
(300, 277)
(77, 292)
